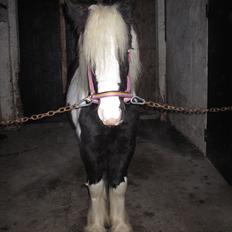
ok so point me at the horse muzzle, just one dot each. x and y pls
(109, 114)
(112, 122)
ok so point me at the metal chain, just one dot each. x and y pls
(87, 102)
(186, 110)
(83, 103)
(36, 117)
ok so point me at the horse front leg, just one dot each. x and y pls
(118, 215)
(98, 215)
(117, 177)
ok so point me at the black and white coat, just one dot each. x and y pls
(107, 131)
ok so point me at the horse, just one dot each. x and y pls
(108, 70)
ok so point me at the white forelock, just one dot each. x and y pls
(104, 22)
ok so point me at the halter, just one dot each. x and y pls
(95, 97)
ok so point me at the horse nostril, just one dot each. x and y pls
(112, 122)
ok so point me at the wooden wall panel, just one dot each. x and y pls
(145, 26)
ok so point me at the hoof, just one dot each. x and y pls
(122, 228)
(94, 228)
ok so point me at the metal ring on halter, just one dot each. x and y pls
(86, 102)
(137, 100)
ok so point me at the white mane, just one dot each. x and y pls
(106, 22)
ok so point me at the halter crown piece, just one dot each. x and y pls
(95, 97)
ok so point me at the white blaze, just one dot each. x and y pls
(108, 78)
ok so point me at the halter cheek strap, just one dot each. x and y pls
(95, 97)
(91, 84)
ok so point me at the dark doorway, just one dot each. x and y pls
(40, 70)
(219, 134)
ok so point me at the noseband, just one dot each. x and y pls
(95, 97)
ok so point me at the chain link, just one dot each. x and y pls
(149, 104)
(186, 110)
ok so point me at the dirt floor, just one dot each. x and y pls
(172, 187)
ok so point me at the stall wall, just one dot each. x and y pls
(146, 30)
(9, 61)
(187, 48)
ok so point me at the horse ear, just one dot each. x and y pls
(76, 12)
(127, 8)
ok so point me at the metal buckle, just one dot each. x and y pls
(86, 102)
(137, 100)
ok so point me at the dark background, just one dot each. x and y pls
(219, 130)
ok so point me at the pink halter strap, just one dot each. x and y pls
(90, 79)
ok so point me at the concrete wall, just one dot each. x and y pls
(187, 49)
(161, 49)
(9, 60)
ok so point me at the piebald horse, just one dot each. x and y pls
(108, 69)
